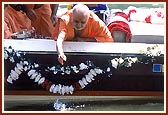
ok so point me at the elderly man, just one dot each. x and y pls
(79, 24)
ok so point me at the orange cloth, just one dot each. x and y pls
(43, 25)
(7, 33)
(16, 20)
(95, 28)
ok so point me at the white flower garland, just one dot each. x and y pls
(152, 51)
(35, 75)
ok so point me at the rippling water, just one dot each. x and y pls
(86, 104)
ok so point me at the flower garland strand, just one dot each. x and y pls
(32, 72)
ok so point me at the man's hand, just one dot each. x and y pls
(54, 19)
(62, 58)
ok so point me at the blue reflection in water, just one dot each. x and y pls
(60, 106)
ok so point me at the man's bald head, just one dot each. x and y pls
(80, 16)
(81, 9)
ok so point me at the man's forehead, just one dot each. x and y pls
(79, 17)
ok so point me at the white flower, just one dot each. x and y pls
(12, 59)
(63, 90)
(28, 67)
(9, 79)
(52, 68)
(114, 63)
(14, 73)
(62, 69)
(19, 66)
(55, 90)
(67, 89)
(37, 78)
(18, 54)
(120, 61)
(129, 64)
(88, 78)
(17, 71)
(108, 69)
(9, 50)
(75, 69)
(158, 53)
(135, 59)
(84, 81)
(13, 76)
(31, 72)
(41, 80)
(25, 68)
(33, 76)
(129, 59)
(93, 72)
(98, 71)
(67, 72)
(36, 65)
(21, 63)
(82, 66)
(59, 88)
(52, 87)
(25, 63)
(71, 89)
(5, 55)
(155, 51)
(55, 72)
(81, 84)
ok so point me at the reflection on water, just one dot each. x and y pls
(88, 104)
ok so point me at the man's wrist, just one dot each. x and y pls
(59, 56)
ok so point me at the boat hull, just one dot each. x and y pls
(137, 80)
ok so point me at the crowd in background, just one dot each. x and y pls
(40, 19)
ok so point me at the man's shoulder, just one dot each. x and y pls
(66, 16)
(94, 18)
(10, 13)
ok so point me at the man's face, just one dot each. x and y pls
(119, 36)
(79, 22)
